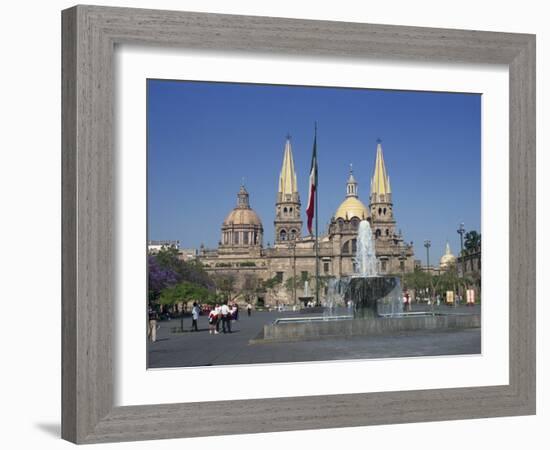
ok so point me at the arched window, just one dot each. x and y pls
(378, 233)
(340, 224)
(292, 234)
(354, 222)
(384, 210)
(345, 247)
(354, 246)
(387, 231)
(285, 210)
(282, 235)
(379, 211)
(290, 209)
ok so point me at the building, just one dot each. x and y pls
(292, 256)
(188, 254)
(155, 246)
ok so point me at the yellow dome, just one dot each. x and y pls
(352, 207)
(448, 259)
(242, 216)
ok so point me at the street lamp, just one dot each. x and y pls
(427, 244)
(461, 231)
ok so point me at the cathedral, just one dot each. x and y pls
(292, 256)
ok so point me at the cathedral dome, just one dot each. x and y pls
(242, 228)
(242, 216)
(448, 259)
(352, 207)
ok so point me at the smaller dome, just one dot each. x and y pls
(352, 207)
(448, 259)
(242, 216)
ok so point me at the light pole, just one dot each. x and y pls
(461, 231)
(427, 244)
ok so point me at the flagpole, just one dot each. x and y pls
(316, 225)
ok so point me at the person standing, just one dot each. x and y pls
(249, 309)
(218, 312)
(152, 328)
(226, 318)
(195, 312)
(213, 321)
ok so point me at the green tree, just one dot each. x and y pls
(225, 284)
(472, 241)
(250, 287)
(183, 293)
(271, 285)
(417, 280)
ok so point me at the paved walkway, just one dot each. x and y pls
(177, 349)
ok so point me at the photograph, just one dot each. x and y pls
(305, 223)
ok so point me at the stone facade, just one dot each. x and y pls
(242, 254)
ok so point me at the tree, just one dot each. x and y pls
(182, 293)
(472, 241)
(166, 269)
(250, 286)
(159, 278)
(271, 285)
(418, 280)
(225, 284)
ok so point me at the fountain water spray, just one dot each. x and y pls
(365, 258)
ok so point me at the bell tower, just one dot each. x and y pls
(288, 222)
(381, 206)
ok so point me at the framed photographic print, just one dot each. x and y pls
(312, 224)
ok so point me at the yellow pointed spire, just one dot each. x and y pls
(288, 184)
(380, 182)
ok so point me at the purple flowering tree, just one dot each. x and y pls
(160, 277)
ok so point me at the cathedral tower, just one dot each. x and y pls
(288, 222)
(381, 206)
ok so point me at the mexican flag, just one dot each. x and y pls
(310, 210)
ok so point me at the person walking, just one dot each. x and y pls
(249, 309)
(226, 318)
(152, 327)
(195, 312)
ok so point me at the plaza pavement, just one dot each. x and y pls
(177, 349)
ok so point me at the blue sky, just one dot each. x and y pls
(203, 138)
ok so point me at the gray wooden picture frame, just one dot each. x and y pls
(90, 34)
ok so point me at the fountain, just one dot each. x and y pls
(370, 293)
(306, 298)
(366, 303)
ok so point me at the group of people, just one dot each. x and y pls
(222, 314)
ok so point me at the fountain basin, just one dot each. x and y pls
(375, 295)
(307, 329)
